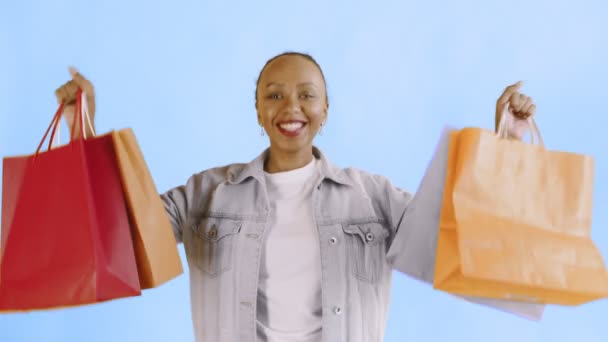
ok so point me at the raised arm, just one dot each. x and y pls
(414, 246)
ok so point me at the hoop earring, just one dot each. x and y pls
(321, 128)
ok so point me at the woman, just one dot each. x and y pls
(289, 247)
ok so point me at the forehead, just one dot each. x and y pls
(286, 69)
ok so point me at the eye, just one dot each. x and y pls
(307, 96)
(275, 96)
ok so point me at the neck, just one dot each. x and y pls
(281, 161)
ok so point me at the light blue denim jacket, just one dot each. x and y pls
(221, 217)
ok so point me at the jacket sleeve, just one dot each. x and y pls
(413, 248)
(181, 201)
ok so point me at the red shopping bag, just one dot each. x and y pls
(66, 237)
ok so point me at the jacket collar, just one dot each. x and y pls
(255, 169)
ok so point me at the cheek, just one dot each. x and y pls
(316, 113)
(266, 113)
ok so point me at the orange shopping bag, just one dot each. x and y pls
(154, 244)
(153, 240)
(516, 222)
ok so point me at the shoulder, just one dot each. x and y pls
(366, 180)
(358, 179)
(375, 186)
(217, 174)
(387, 201)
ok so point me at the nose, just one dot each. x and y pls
(292, 104)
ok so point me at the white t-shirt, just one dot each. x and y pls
(289, 295)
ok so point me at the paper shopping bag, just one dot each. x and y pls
(155, 246)
(413, 250)
(66, 236)
(516, 223)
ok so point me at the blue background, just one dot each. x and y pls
(182, 74)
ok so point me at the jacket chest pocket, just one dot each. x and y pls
(211, 245)
(366, 250)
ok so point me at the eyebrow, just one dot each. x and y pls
(281, 84)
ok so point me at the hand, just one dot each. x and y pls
(520, 105)
(67, 94)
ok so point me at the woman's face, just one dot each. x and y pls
(291, 103)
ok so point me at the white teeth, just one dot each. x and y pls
(292, 126)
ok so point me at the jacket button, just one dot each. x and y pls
(212, 234)
(369, 237)
(337, 310)
(333, 240)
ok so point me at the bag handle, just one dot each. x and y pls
(503, 133)
(78, 118)
(53, 125)
(80, 107)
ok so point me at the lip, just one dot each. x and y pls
(291, 134)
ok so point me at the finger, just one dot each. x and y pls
(525, 109)
(73, 71)
(62, 92)
(521, 102)
(532, 109)
(81, 81)
(526, 106)
(522, 115)
(71, 89)
(509, 91)
(514, 102)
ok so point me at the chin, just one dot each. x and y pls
(293, 146)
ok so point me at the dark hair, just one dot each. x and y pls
(290, 53)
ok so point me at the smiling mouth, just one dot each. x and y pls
(292, 128)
